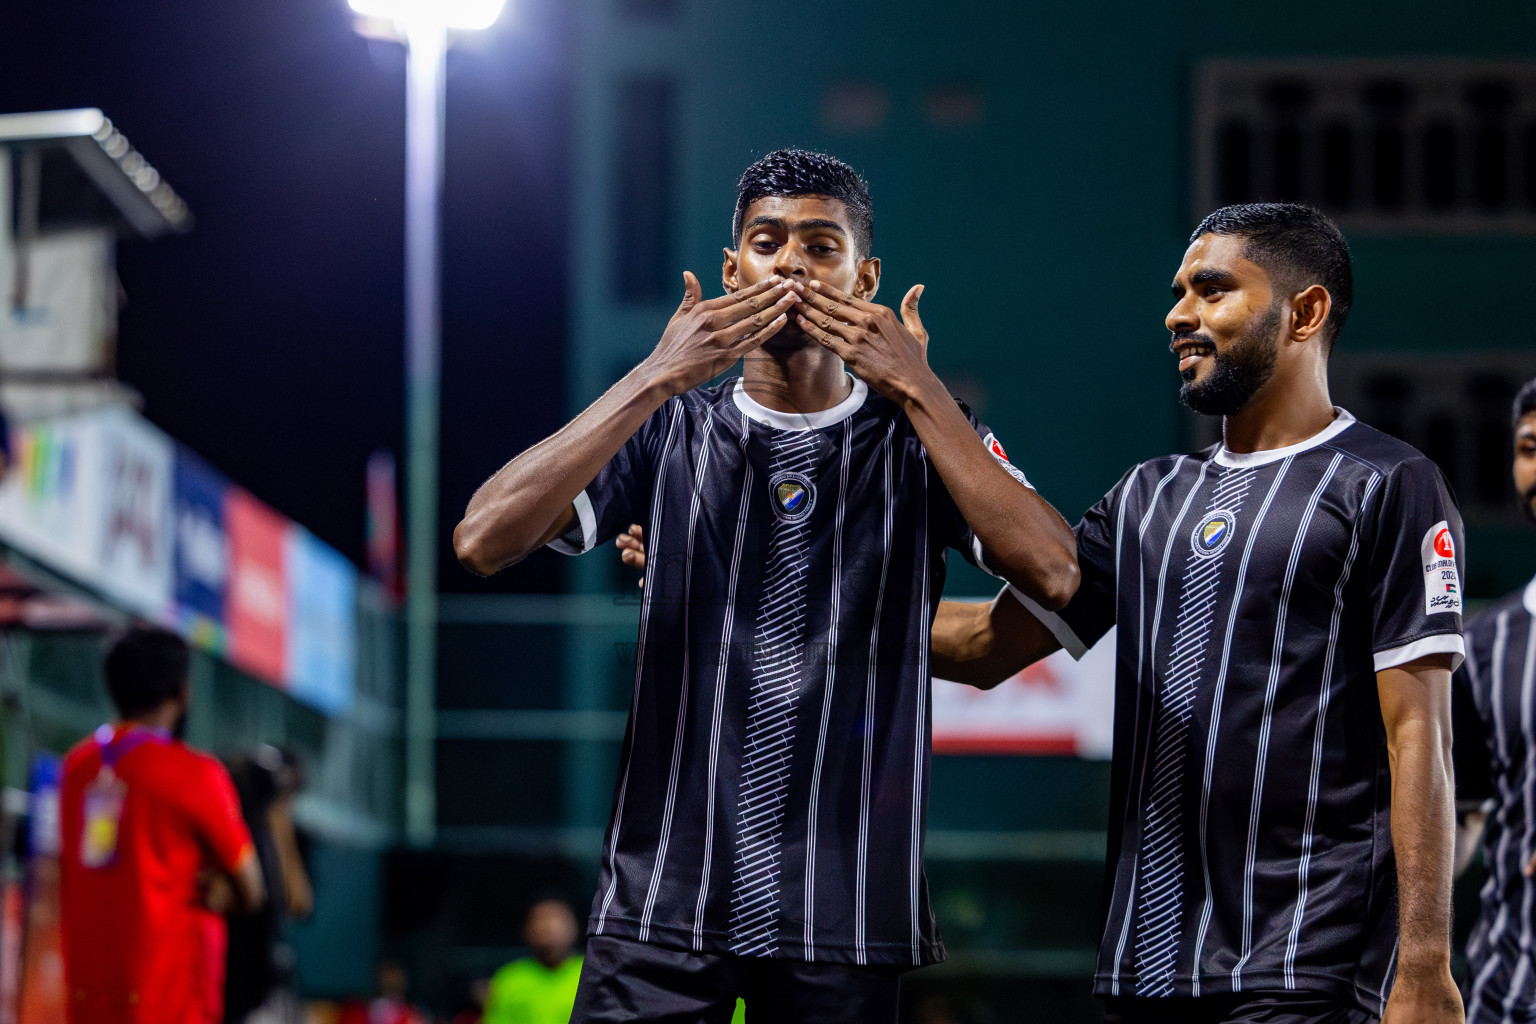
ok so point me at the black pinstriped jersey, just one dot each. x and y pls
(1495, 752)
(1256, 596)
(774, 773)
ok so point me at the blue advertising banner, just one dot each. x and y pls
(202, 557)
(322, 623)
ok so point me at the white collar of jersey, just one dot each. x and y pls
(1530, 597)
(1342, 421)
(797, 420)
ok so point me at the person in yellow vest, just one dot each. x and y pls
(539, 989)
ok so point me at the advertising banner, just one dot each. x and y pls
(322, 643)
(105, 498)
(256, 613)
(202, 555)
(1055, 706)
(134, 564)
(49, 505)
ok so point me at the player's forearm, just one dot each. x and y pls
(522, 507)
(1423, 841)
(984, 644)
(1026, 540)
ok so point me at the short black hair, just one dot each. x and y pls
(146, 667)
(1297, 245)
(1525, 403)
(799, 172)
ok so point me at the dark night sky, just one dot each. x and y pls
(270, 338)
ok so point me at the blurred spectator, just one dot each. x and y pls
(389, 1005)
(261, 961)
(540, 989)
(479, 990)
(147, 821)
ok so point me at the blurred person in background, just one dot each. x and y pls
(146, 822)
(474, 1007)
(1495, 774)
(389, 1004)
(540, 989)
(258, 987)
(768, 827)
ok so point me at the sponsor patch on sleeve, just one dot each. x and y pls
(996, 448)
(1442, 583)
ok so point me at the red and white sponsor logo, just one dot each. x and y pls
(1444, 546)
(997, 448)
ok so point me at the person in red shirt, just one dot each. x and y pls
(146, 822)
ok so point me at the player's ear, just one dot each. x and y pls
(730, 271)
(867, 283)
(1309, 312)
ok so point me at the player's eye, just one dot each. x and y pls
(821, 250)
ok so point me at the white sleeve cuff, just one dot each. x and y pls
(1055, 623)
(980, 556)
(588, 519)
(1443, 643)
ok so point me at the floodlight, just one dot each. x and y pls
(464, 14)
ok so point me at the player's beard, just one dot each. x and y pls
(1240, 371)
(1527, 501)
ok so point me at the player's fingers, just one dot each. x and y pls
(1530, 867)
(812, 299)
(910, 316)
(637, 531)
(757, 337)
(692, 292)
(750, 325)
(839, 296)
(824, 338)
(828, 322)
(743, 295)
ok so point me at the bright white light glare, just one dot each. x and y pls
(466, 14)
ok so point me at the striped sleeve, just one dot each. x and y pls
(620, 494)
(1416, 565)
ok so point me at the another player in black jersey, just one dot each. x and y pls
(1496, 774)
(767, 829)
(1289, 612)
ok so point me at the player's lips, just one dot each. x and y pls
(1191, 352)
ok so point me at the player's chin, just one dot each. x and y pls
(789, 339)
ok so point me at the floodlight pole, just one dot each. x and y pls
(426, 58)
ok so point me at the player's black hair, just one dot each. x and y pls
(1297, 245)
(1525, 403)
(145, 668)
(799, 172)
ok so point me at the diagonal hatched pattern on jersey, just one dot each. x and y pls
(1162, 868)
(778, 659)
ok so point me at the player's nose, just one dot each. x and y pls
(790, 262)
(1181, 319)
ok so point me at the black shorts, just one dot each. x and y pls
(624, 980)
(1241, 1008)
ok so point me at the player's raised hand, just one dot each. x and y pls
(888, 354)
(705, 338)
(631, 545)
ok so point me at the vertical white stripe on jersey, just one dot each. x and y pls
(1324, 697)
(1390, 973)
(652, 531)
(1221, 685)
(1527, 724)
(1162, 578)
(725, 661)
(920, 735)
(861, 867)
(1496, 704)
(826, 702)
(1266, 723)
(778, 659)
(1160, 850)
(700, 474)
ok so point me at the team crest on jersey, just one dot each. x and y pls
(1213, 533)
(1442, 581)
(793, 496)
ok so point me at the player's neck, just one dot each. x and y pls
(1285, 411)
(802, 380)
(160, 719)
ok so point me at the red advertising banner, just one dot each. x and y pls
(256, 608)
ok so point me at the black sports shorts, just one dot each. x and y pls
(624, 980)
(1241, 1008)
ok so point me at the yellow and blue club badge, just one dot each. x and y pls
(1213, 533)
(793, 496)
